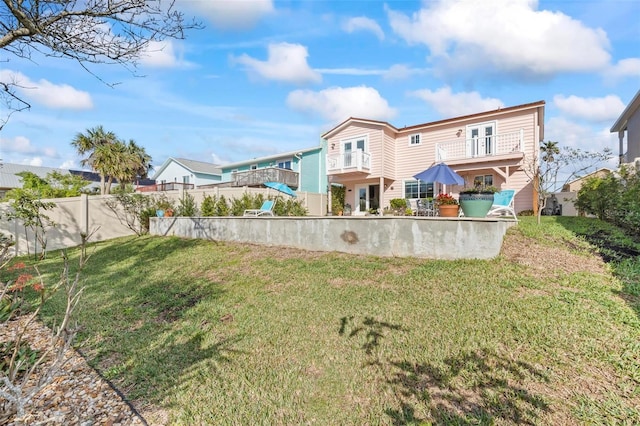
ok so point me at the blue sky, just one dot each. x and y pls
(267, 76)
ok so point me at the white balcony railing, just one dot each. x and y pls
(484, 146)
(349, 162)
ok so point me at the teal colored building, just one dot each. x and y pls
(303, 170)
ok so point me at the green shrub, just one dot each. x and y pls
(208, 206)
(187, 206)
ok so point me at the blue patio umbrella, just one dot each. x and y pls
(440, 173)
(282, 187)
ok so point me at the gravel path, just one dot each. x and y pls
(76, 396)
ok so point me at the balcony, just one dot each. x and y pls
(165, 186)
(485, 146)
(347, 162)
(260, 176)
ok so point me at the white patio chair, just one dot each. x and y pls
(503, 204)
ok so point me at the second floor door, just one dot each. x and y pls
(481, 140)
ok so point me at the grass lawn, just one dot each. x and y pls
(201, 332)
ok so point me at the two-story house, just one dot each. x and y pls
(302, 170)
(629, 124)
(376, 161)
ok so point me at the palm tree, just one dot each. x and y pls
(132, 162)
(548, 150)
(92, 147)
(140, 161)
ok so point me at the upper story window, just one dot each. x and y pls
(253, 167)
(285, 164)
(355, 144)
(185, 179)
(414, 139)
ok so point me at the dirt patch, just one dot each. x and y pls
(548, 261)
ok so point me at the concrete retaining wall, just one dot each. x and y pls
(423, 237)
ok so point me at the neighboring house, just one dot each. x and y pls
(180, 172)
(9, 179)
(376, 161)
(629, 122)
(302, 170)
(576, 184)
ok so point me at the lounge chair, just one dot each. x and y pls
(503, 204)
(265, 210)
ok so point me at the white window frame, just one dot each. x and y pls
(284, 161)
(253, 166)
(481, 151)
(354, 142)
(418, 183)
(415, 139)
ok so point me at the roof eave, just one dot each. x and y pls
(621, 123)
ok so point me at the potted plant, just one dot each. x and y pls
(399, 206)
(477, 201)
(447, 205)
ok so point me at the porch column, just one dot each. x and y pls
(382, 189)
(621, 147)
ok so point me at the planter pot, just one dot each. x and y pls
(448, 210)
(160, 213)
(476, 205)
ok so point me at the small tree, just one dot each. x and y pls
(133, 210)
(187, 206)
(27, 206)
(24, 371)
(221, 207)
(208, 206)
(552, 162)
(54, 185)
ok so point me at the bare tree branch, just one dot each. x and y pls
(87, 31)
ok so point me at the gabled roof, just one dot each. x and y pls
(8, 178)
(593, 173)
(191, 165)
(270, 157)
(621, 123)
(433, 123)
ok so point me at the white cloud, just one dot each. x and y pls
(339, 103)
(287, 62)
(163, 54)
(508, 35)
(231, 14)
(68, 165)
(216, 159)
(349, 71)
(18, 144)
(34, 161)
(575, 135)
(402, 72)
(607, 108)
(629, 67)
(362, 23)
(450, 104)
(46, 93)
